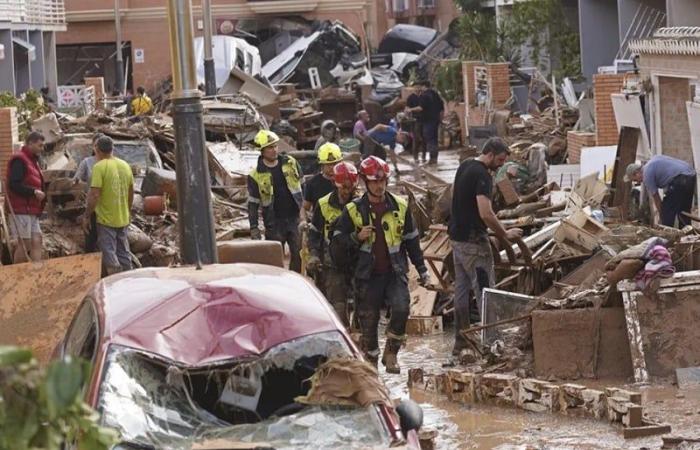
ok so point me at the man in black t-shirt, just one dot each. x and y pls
(471, 217)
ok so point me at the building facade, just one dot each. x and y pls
(28, 44)
(437, 14)
(88, 48)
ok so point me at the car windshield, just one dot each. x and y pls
(153, 403)
(135, 155)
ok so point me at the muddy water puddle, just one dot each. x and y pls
(491, 427)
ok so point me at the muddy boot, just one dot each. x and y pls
(389, 358)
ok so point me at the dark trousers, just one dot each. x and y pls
(337, 289)
(91, 235)
(286, 231)
(678, 198)
(430, 138)
(372, 294)
(418, 146)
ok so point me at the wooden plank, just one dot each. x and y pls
(634, 334)
(626, 154)
(647, 430)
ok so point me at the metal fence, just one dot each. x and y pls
(40, 12)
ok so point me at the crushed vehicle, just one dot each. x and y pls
(237, 353)
(228, 52)
(332, 49)
(140, 154)
(400, 47)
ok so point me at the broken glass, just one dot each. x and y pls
(155, 403)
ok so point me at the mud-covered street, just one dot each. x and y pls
(493, 427)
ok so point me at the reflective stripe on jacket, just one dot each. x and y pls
(261, 192)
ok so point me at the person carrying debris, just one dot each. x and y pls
(141, 105)
(471, 217)
(84, 175)
(111, 198)
(336, 279)
(26, 198)
(678, 180)
(329, 133)
(379, 229)
(431, 108)
(276, 185)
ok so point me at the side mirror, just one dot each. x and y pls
(411, 416)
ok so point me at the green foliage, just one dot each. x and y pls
(541, 25)
(29, 108)
(43, 408)
(448, 80)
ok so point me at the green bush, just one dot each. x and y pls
(41, 408)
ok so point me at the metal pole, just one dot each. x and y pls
(195, 216)
(119, 66)
(209, 74)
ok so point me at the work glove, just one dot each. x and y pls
(424, 278)
(303, 227)
(255, 234)
(313, 265)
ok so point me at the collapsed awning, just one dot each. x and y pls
(30, 49)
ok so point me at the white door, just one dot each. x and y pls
(694, 124)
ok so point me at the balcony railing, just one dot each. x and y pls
(39, 12)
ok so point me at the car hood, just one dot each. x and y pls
(202, 317)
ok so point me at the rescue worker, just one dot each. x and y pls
(275, 185)
(379, 229)
(141, 105)
(329, 133)
(336, 278)
(322, 184)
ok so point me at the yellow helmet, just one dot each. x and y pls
(265, 138)
(329, 153)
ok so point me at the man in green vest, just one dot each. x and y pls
(275, 185)
(336, 282)
(379, 229)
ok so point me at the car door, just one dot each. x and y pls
(82, 335)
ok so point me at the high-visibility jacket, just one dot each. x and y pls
(400, 233)
(326, 211)
(141, 105)
(261, 191)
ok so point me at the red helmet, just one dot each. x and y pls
(344, 173)
(375, 169)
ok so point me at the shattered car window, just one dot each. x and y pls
(155, 403)
(135, 155)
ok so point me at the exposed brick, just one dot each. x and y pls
(606, 127)
(575, 141)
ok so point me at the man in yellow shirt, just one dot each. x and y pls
(141, 105)
(110, 198)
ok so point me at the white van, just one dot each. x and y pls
(228, 52)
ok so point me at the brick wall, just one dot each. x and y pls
(499, 83)
(675, 131)
(575, 141)
(606, 126)
(9, 137)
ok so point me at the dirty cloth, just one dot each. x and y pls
(639, 251)
(474, 271)
(659, 265)
(346, 381)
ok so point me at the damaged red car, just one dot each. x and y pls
(185, 357)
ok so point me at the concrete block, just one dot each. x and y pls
(538, 396)
(499, 388)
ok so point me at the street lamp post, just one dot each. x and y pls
(209, 74)
(119, 64)
(195, 216)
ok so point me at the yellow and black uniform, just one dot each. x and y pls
(336, 281)
(380, 263)
(141, 105)
(278, 190)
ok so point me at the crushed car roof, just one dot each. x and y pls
(199, 317)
